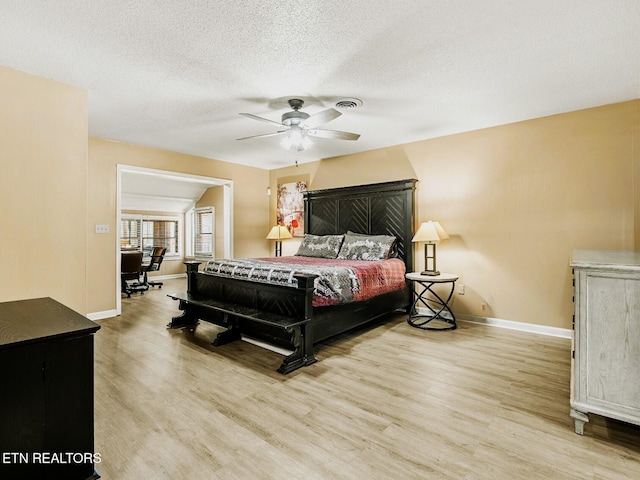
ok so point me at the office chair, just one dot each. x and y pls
(157, 255)
(130, 269)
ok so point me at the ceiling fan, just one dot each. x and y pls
(299, 126)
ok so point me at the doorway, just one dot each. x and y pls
(166, 190)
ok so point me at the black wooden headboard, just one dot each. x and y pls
(380, 208)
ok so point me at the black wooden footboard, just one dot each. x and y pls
(276, 314)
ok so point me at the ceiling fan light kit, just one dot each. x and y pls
(299, 126)
(297, 139)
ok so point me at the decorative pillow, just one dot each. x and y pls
(358, 246)
(393, 252)
(321, 246)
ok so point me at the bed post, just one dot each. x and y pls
(187, 317)
(302, 335)
(192, 269)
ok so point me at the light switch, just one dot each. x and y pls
(102, 228)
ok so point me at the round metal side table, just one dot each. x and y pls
(437, 314)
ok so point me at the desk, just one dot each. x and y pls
(434, 302)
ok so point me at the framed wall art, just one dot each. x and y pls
(290, 207)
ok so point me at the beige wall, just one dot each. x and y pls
(214, 197)
(250, 206)
(43, 189)
(516, 199)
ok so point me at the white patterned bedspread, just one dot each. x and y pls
(339, 281)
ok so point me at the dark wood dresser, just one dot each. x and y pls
(46, 385)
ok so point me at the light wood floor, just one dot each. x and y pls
(392, 402)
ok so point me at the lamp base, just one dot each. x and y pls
(430, 273)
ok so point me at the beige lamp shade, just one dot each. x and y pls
(430, 232)
(279, 232)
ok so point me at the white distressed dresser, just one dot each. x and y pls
(605, 368)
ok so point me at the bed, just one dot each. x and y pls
(286, 315)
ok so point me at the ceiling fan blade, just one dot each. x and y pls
(263, 135)
(321, 118)
(261, 119)
(333, 134)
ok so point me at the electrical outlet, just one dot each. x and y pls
(483, 306)
(460, 289)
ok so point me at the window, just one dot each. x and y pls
(130, 233)
(144, 233)
(160, 233)
(203, 231)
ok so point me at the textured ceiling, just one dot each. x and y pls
(176, 74)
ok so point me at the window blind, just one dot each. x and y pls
(203, 232)
(160, 233)
(130, 233)
(139, 233)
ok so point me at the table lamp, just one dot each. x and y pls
(430, 233)
(279, 233)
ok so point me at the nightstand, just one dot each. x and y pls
(436, 303)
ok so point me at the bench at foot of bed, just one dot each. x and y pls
(226, 314)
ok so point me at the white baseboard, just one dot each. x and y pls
(520, 326)
(114, 313)
(510, 325)
(167, 277)
(489, 321)
(102, 315)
